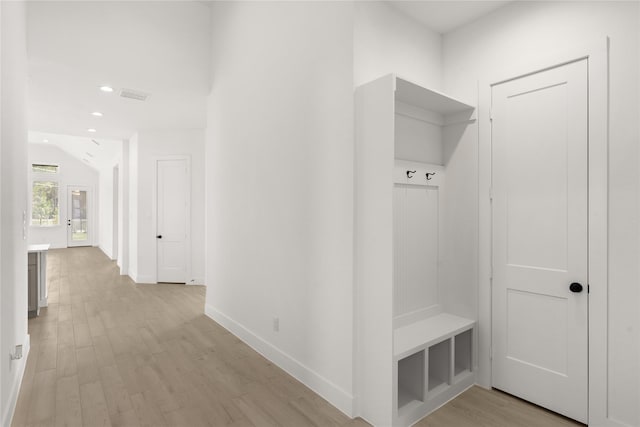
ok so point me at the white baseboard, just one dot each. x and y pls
(143, 279)
(107, 253)
(19, 366)
(146, 279)
(325, 388)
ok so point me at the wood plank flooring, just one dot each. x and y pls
(108, 352)
(478, 407)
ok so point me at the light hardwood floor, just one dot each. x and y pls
(109, 352)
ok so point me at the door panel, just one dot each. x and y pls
(539, 155)
(78, 217)
(415, 230)
(172, 220)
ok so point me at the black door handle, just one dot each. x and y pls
(69, 222)
(575, 287)
(159, 236)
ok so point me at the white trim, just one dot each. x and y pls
(196, 281)
(91, 215)
(316, 382)
(154, 212)
(123, 209)
(105, 252)
(7, 416)
(597, 54)
(143, 278)
(115, 207)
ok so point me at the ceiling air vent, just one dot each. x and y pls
(134, 94)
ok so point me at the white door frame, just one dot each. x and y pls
(596, 53)
(123, 209)
(90, 211)
(116, 208)
(154, 213)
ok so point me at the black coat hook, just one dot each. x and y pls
(410, 174)
(429, 175)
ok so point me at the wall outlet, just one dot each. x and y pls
(276, 324)
(17, 354)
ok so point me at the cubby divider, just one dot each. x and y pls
(462, 353)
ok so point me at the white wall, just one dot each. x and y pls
(123, 209)
(279, 184)
(387, 41)
(71, 171)
(13, 204)
(145, 147)
(105, 202)
(106, 211)
(523, 32)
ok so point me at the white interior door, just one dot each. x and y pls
(539, 155)
(173, 216)
(78, 230)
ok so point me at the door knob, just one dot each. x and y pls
(575, 287)
(159, 236)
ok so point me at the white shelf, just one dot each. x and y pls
(427, 99)
(407, 399)
(424, 333)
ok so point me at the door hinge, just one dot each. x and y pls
(490, 194)
(490, 114)
(491, 353)
(588, 288)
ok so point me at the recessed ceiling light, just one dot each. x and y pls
(97, 114)
(91, 130)
(106, 88)
(45, 140)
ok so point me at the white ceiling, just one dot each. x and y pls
(160, 48)
(100, 154)
(445, 16)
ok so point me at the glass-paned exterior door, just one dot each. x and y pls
(78, 217)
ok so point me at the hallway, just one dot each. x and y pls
(109, 352)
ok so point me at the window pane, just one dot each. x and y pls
(79, 215)
(44, 168)
(44, 205)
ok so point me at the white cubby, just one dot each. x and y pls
(413, 355)
(439, 366)
(411, 379)
(463, 355)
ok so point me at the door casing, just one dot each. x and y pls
(524, 277)
(187, 160)
(596, 52)
(90, 216)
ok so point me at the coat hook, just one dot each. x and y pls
(429, 175)
(410, 174)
